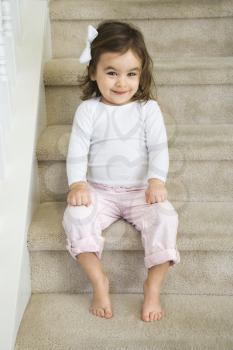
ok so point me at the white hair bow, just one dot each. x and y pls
(86, 54)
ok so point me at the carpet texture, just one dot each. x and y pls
(192, 49)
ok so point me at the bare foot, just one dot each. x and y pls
(151, 309)
(101, 305)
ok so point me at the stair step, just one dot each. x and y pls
(195, 90)
(187, 181)
(185, 28)
(199, 272)
(63, 322)
(185, 142)
(75, 10)
(166, 37)
(202, 226)
(181, 104)
(205, 243)
(167, 71)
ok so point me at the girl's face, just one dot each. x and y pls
(117, 76)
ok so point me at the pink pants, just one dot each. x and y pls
(157, 223)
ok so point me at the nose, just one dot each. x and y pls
(121, 81)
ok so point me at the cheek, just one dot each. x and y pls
(136, 82)
(107, 81)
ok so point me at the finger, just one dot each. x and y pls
(150, 199)
(147, 198)
(70, 199)
(85, 199)
(73, 201)
(78, 199)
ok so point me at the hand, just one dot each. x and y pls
(156, 191)
(79, 194)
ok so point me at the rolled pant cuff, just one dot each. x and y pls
(86, 245)
(161, 257)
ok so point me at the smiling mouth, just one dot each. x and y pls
(120, 92)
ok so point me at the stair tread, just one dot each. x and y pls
(203, 226)
(92, 9)
(62, 322)
(185, 142)
(168, 70)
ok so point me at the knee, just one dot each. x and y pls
(167, 210)
(76, 210)
(70, 214)
(79, 215)
(162, 213)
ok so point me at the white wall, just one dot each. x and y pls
(18, 190)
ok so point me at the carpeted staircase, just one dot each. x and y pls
(191, 43)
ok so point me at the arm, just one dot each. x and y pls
(79, 144)
(156, 140)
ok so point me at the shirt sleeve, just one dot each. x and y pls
(79, 144)
(156, 141)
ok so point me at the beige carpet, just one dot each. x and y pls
(192, 48)
(61, 321)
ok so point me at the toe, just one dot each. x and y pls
(102, 313)
(95, 312)
(99, 312)
(145, 317)
(152, 316)
(108, 313)
(159, 315)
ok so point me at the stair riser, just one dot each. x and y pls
(188, 181)
(199, 272)
(150, 9)
(181, 104)
(165, 37)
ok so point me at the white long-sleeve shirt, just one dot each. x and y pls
(122, 145)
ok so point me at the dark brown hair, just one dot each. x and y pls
(115, 36)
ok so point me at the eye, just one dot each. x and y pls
(111, 73)
(132, 74)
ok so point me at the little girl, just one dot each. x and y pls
(117, 164)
